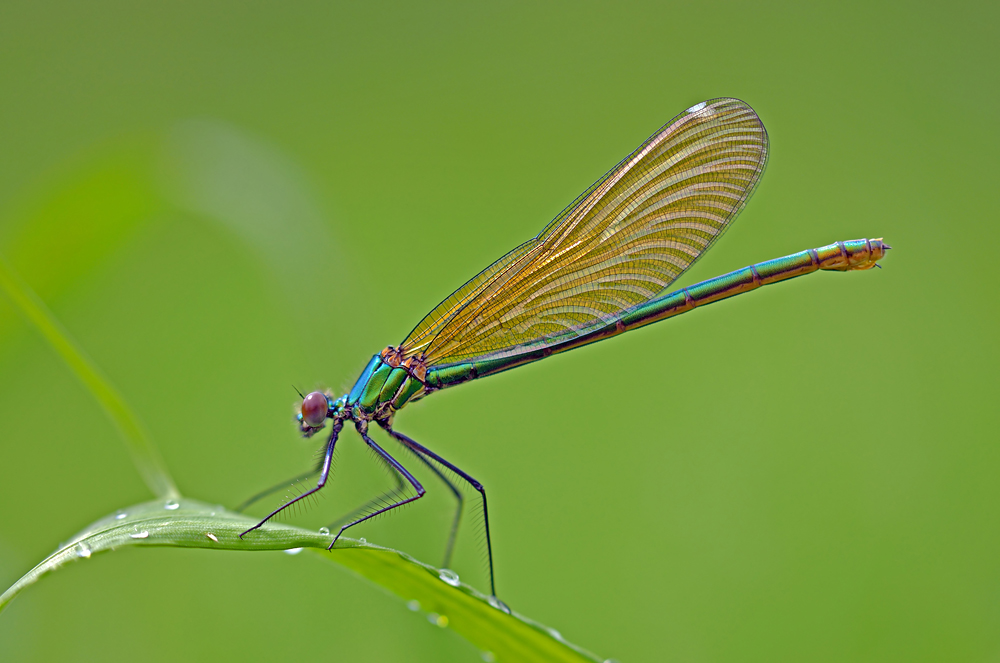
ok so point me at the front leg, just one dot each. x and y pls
(323, 474)
(276, 487)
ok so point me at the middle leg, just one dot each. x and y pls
(362, 429)
(450, 547)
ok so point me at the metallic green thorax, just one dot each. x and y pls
(382, 389)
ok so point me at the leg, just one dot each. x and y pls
(275, 488)
(454, 491)
(424, 451)
(388, 495)
(323, 474)
(362, 430)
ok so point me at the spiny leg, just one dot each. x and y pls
(284, 484)
(454, 490)
(380, 500)
(278, 486)
(323, 474)
(398, 490)
(420, 449)
(361, 427)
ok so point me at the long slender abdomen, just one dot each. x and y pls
(852, 255)
(842, 257)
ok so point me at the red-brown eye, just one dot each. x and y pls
(314, 407)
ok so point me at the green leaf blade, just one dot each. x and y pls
(187, 523)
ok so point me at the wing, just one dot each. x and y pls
(620, 244)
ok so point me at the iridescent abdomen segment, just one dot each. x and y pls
(842, 256)
(852, 255)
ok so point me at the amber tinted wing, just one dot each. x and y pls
(620, 244)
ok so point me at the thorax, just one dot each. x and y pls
(387, 384)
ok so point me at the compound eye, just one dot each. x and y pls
(314, 408)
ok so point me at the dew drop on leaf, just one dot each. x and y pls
(499, 605)
(450, 577)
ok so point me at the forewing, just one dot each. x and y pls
(620, 244)
(433, 322)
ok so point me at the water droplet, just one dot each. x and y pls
(83, 551)
(437, 620)
(293, 551)
(212, 536)
(172, 505)
(140, 535)
(449, 577)
(499, 605)
(555, 634)
(212, 514)
(697, 107)
(362, 540)
(121, 515)
(611, 660)
(324, 531)
(489, 657)
(413, 605)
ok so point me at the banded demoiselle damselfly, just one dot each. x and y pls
(598, 269)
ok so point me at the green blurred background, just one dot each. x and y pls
(222, 200)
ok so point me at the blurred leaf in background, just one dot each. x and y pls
(213, 170)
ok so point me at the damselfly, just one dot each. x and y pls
(599, 269)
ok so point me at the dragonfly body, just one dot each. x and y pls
(388, 383)
(600, 268)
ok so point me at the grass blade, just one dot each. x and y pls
(188, 523)
(145, 456)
